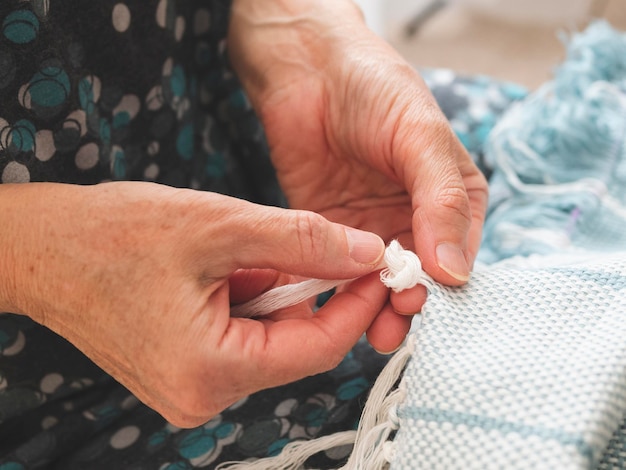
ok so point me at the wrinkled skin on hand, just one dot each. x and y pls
(140, 277)
(356, 136)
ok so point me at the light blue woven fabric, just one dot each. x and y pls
(559, 158)
(525, 367)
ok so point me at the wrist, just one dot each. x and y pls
(35, 220)
(20, 218)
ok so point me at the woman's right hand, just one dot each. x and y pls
(140, 277)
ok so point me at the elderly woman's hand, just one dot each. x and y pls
(356, 136)
(140, 277)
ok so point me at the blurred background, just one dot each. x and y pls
(515, 40)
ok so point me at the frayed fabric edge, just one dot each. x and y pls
(373, 449)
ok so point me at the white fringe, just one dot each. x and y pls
(293, 454)
(372, 448)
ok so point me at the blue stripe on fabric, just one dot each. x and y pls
(505, 427)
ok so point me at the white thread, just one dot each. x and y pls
(389, 450)
(294, 454)
(403, 271)
(378, 420)
(282, 297)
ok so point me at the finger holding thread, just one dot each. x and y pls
(403, 271)
(409, 301)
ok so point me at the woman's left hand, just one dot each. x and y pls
(356, 136)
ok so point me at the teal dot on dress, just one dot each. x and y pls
(224, 430)
(215, 165)
(352, 388)
(314, 415)
(11, 466)
(105, 131)
(85, 93)
(118, 163)
(276, 447)
(120, 120)
(184, 142)
(158, 438)
(23, 136)
(196, 443)
(49, 87)
(20, 27)
(178, 81)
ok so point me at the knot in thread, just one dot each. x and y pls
(394, 419)
(404, 269)
(389, 451)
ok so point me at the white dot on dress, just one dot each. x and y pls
(48, 422)
(151, 172)
(44, 145)
(15, 172)
(179, 28)
(87, 156)
(121, 17)
(125, 437)
(51, 382)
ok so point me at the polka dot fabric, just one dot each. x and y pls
(126, 90)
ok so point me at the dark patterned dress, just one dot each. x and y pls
(100, 90)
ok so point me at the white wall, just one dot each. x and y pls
(387, 15)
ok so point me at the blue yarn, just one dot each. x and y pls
(559, 157)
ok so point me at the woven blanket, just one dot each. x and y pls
(525, 367)
(520, 369)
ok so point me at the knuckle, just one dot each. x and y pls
(455, 199)
(310, 231)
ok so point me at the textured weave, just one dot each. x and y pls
(520, 369)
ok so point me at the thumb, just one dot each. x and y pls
(302, 243)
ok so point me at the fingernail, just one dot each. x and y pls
(451, 259)
(364, 247)
(387, 353)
